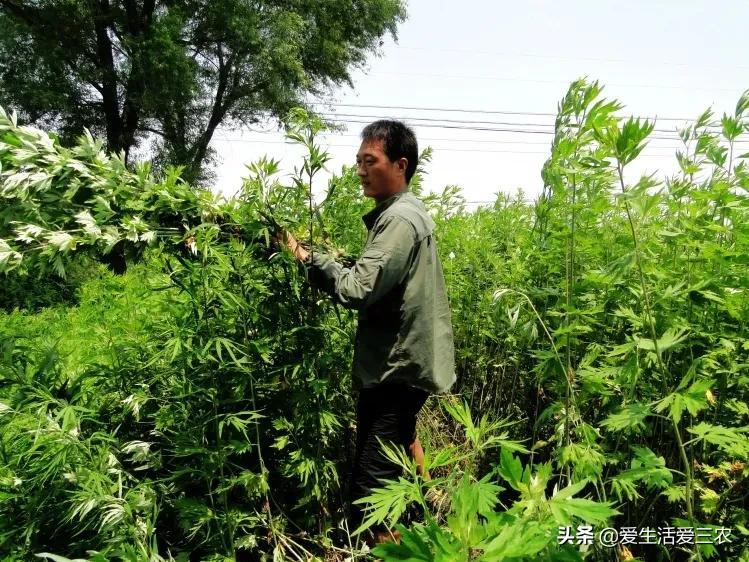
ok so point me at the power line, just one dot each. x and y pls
(412, 119)
(488, 129)
(479, 111)
(455, 139)
(539, 81)
(440, 139)
(471, 122)
(468, 125)
(351, 145)
(464, 121)
(421, 139)
(559, 57)
(434, 125)
(446, 109)
(435, 148)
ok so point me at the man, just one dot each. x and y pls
(404, 340)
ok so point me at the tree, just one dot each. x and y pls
(173, 71)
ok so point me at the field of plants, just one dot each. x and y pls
(172, 387)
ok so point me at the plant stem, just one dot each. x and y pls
(651, 324)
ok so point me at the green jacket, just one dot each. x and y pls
(404, 332)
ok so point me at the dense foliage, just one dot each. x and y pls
(175, 71)
(198, 407)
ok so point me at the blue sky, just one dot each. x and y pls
(666, 59)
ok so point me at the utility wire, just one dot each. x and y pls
(446, 139)
(467, 126)
(491, 129)
(435, 148)
(479, 111)
(471, 125)
(464, 121)
(412, 118)
(540, 81)
(560, 57)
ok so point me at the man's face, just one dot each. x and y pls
(380, 178)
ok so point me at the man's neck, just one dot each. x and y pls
(384, 198)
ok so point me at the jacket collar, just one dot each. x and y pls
(371, 217)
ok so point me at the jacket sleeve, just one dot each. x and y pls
(383, 264)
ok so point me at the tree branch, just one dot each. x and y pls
(131, 10)
(221, 105)
(148, 129)
(36, 23)
(149, 6)
(137, 26)
(96, 86)
(23, 13)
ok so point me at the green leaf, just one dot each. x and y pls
(469, 500)
(461, 413)
(674, 402)
(427, 543)
(588, 510)
(488, 495)
(388, 503)
(709, 500)
(674, 494)
(510, 468)
(742, 105)
(729, 439)
(646, 467)
(630, 418)
(704, 119)
(630, 140)
(62, 241)
(9, 258)
(442, 457)
(669, 339)
(58, 558)
(518, 540)
(693, 399)
(732, 127)
(463, 521)
(565, 507)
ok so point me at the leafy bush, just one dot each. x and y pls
(198, 406)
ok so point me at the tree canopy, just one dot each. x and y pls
(173, 71)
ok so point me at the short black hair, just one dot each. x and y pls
(398, 139)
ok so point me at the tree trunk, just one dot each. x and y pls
(101, 12)
(138, 25)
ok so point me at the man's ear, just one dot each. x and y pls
(402, 165)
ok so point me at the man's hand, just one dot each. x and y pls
(288, 241)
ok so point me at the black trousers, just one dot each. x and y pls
(388, 412)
